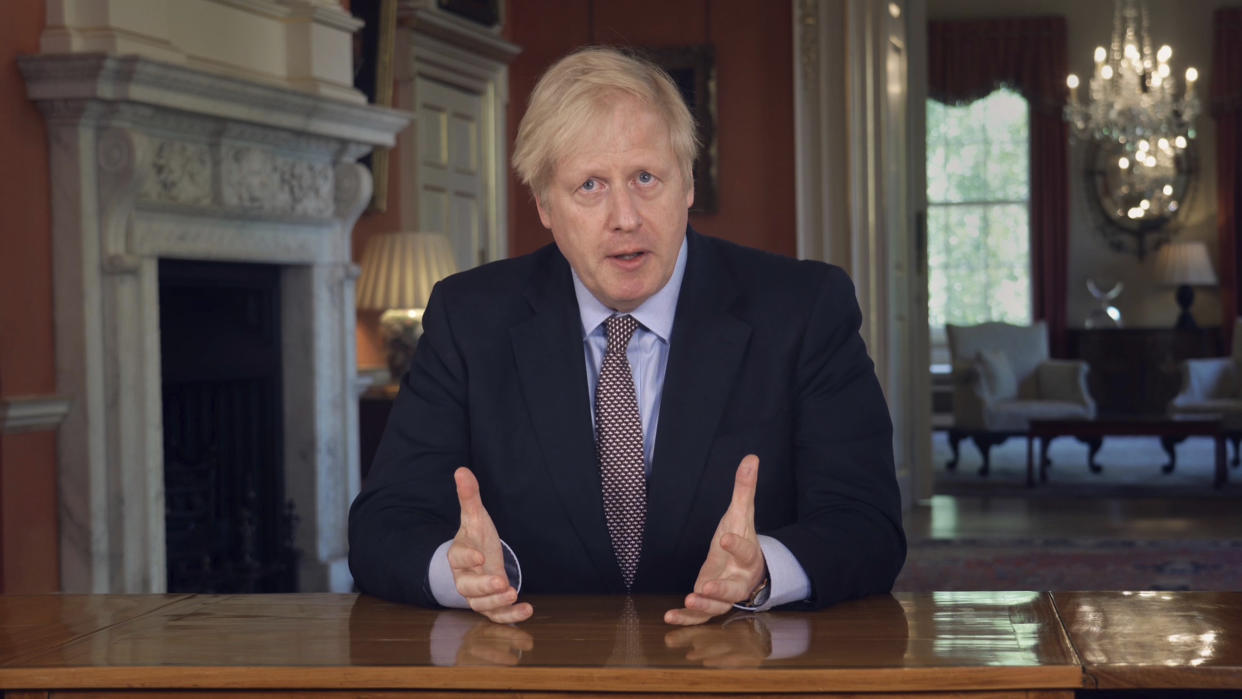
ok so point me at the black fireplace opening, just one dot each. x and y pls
(228, 525)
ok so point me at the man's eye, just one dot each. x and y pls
(589, 186)
(645, 178)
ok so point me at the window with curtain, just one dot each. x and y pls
(978, 212)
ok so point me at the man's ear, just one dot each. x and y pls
(690, 194)
(543, 212)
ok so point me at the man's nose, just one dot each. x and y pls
(624, 215)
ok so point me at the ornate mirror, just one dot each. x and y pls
(1136, 196)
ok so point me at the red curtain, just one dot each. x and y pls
(1227, 109)
(969, 59)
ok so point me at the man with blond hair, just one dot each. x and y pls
(636, 408)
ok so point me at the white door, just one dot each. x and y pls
(903, 393)
(451, 182)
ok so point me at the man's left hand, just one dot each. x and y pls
(735, 565)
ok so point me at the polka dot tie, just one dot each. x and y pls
(619, 447)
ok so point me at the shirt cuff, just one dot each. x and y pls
(440, 576)
(788, 582)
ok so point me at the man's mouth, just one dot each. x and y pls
(628, 256)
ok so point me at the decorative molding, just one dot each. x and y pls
(180, 173)
(276, 9)
(170, 233)
(327, 13)
(353, 192)
(137, 80)
(152, 161)
(474, 39)
(261, 181)
(32, 413)
(121, 264)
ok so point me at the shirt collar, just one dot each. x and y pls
(655, 314)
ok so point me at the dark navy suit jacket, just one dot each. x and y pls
(765, 357)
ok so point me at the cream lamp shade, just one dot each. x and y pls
(398, 271)
(1185, 265)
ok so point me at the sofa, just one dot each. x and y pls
(1003, 378)
(1213, 386)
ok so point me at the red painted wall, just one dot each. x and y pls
(754, 75)
(28, 531)
(755, 96)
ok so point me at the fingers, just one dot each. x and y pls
(468, 494)
(680, 638)
(712, 606)
(714, 646)
(724, 590)
(472, 585)
(500, 601)
(464, 558)
(509, 635)
(685, 617)
(744, 484)
(511, 614)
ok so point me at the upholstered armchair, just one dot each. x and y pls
(1003, 378)
(1213, 386)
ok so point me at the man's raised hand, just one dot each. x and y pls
(735, 565)
(476, 559)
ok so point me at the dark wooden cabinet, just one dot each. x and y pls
(1134, 371)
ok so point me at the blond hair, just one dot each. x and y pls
(580, 90)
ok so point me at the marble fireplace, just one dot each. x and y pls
(151, 160)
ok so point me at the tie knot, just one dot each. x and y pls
(619, 329)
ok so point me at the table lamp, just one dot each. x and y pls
(398, 271)
(1186, 265)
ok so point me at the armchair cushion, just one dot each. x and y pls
(997, 374)
(1065, 380)
(1207, 379)
(1005, 378)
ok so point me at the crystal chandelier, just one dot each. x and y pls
(1141, 126)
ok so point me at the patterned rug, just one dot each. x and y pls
(1131, 467)
(1071, 564)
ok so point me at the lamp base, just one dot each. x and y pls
(401, 329)
(1185, 296)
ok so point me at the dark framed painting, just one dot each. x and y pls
(693, 69)
(485, 12)
(373, 76)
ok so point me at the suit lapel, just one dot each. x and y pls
(552, 371)
(706, 348)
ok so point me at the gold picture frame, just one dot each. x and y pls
(373, 75)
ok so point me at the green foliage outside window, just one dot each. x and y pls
(978, 211)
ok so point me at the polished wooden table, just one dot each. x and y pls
(1156, 640)
(1006, 644)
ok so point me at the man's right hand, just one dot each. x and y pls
(476, 559)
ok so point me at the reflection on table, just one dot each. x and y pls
(903, 643)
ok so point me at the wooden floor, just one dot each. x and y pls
(946, 516)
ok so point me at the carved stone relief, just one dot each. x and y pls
(179, 173)
(261, 181)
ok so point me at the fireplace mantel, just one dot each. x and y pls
(155, 160)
